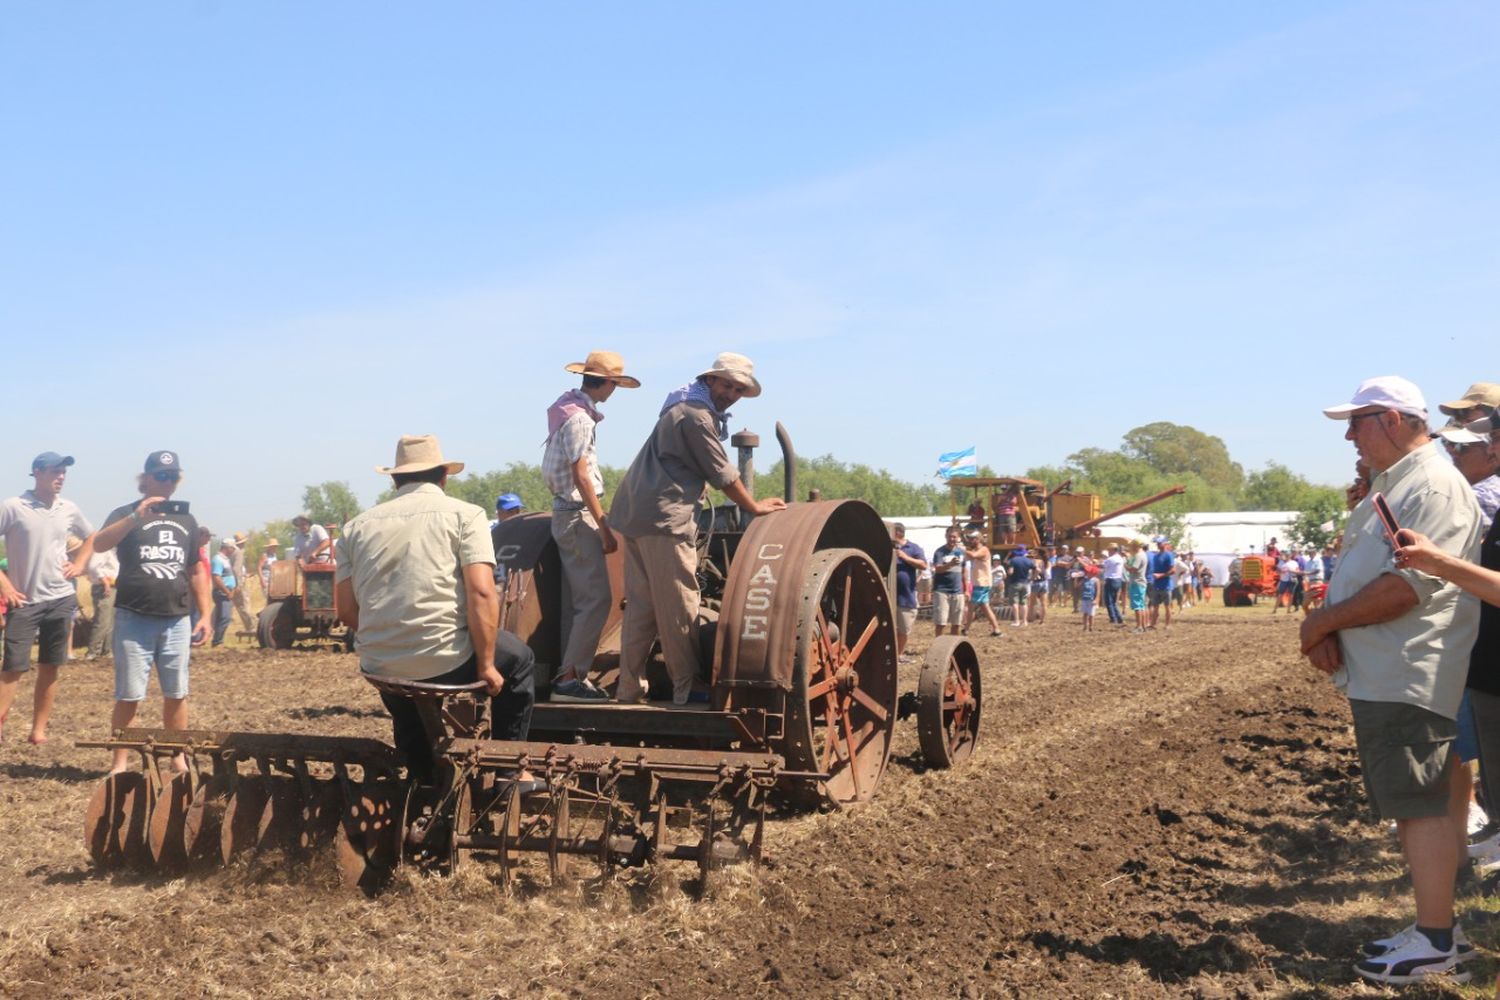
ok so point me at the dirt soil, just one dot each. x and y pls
(1164, 815)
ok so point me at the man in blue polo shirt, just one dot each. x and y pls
(1159, 580)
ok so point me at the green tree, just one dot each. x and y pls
(330, 502)
(835, 480)
(1321, 520)
(1169, 523)
(1176, 450)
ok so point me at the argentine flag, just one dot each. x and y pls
(958, 463)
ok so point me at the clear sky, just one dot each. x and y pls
(276, 236)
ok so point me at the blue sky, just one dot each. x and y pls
(274, 237)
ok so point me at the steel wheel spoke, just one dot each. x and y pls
(821, 688)
(859, 647)
(875, 707)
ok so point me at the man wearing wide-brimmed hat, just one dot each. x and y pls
(570, 467)
(242, 592)
(415, 580)
(655, 510)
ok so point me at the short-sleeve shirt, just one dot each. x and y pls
(1020, 567)
(157, 561)
(1422, 657)
(406, 559)
(659, 494)
(949, 558)
(303, 546)
(223, 569)
(1161, 562)
(1135, 566)
(906, 576)
(1114, 567)
(570, 442)
(36, 543)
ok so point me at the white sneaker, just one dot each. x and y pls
(1477, 818)
(1411, 959)
(1487, 849)
(1375, 949)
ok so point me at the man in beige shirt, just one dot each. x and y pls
(655, 511)
(416, 582)
(1397, 641)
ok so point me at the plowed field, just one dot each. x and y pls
(1161, 815)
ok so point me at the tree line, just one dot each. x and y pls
(1150, 459)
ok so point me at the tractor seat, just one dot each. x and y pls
(447, 711)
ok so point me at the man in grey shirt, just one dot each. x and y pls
(1397, 641)
(654, 511)
(38, 586)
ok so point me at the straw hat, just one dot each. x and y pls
(240, 538)
(418, 453)
(273, 544)
(738, 369)
(604, 364)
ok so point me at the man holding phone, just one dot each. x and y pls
(159, 585)
(1397, 641)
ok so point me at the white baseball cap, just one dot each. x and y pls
(1460, 434)
(1383, 392)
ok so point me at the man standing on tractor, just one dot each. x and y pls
(1397, 641)
(311, 543)
(570, 466)
(416, 583)
(37, 586)
(655, 510)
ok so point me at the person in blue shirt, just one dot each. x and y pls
(224, 585)
(1159, 580)
(910, 561)
(1088, 594)
(1019, 585)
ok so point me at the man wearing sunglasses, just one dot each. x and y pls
(159, 586)
(37, 587)
(1397, 642)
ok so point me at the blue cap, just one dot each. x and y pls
(1020, 550)
(159, 461)
(50, 460)
(508, 501)
(1159, 539)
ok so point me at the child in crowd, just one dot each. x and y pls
(1088, 593)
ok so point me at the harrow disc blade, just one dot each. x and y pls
(167, 819)
(202, 826)
(241, 826)
(367, 844)
(320, 815)
(114, 828)
(281, 818)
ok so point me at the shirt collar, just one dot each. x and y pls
(1404, 466)
(30, 497)
(419, 488)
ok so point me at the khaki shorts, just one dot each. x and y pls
(906, 620)
(947, 609)
(1403, 751)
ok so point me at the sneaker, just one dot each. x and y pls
(1411, 959)
(1487, 849)
(576, 690)
(1478, 819)
(1461, 943)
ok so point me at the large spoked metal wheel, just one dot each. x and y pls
(276, 628)
(842, 705)
(948, 695)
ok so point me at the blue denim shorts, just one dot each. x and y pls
(145, 641)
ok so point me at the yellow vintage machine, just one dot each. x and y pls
(1042, 516)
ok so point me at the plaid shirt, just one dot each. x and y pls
(570, 442)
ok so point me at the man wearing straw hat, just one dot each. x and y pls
(242, 592)
(416, 581)
(570, 467)
(655, 510)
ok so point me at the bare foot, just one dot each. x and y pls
(36, 740)
(180, 764)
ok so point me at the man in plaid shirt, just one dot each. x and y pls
(570, 467)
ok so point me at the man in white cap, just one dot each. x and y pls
(570, 467)
(416, 581)
(655, 511)
(37, 586)
(1397, 641)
